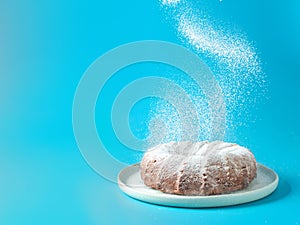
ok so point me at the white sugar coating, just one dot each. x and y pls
(186, 167)
(189, 154)
(202, 149)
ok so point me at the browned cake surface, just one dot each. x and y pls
(199, 168)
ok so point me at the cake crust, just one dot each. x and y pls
(198, 168)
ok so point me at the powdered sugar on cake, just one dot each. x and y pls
(198, 168)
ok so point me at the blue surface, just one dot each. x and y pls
(45, 47)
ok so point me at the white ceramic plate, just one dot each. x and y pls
(130, 182)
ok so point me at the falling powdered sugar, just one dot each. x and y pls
(231, 50)
(231, 57)
(169, 2)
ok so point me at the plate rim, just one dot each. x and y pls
(160, 198)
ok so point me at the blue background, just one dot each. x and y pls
(45, 47)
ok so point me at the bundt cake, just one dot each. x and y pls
(198, 168)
